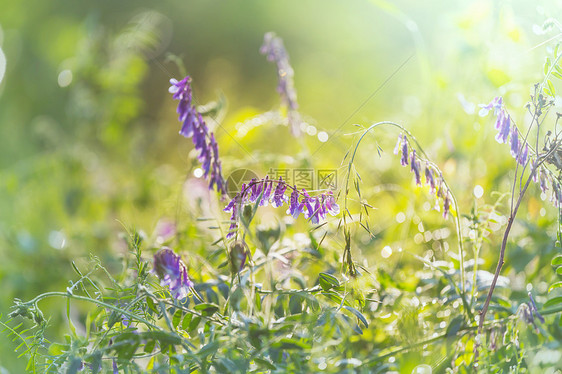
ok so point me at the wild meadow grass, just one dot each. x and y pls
(268, 276)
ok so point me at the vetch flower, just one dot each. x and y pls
(503, 125)
(514, 143)
(194, 127)
(331, 207)
(496, 105)
(446, 205)
(172, 272)
(415, 167)
(279, 194)
(275, 51)
(404, 158)
(534, 308)
(314, 208)
(294, 206)
(430, 179)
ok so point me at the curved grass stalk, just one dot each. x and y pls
(462, 290)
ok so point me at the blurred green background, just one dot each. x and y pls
(88, 131)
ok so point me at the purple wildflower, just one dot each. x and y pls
(256, 189)
(415, 167)
(502, 125)
(496, 105)
(534, 308)
(294, 207)
(279, 194)
(172, 272)
(446, 205)
(404, 158)
(314, 208)
(514, 143)
(306, 202)
(194, 127)
(275, 51)
(267, 186)
(430, 179)
(331, 206)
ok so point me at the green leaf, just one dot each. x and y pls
(551, 87)
(56, 349)
(209, 349)
(186, 321)
(554, 286)
(559, 270)
(556, 260)
(264, 363)
(553, 301)
(295, 304)
(151, 305)
(176, 319)
(358, 314)
(194, 323)
(454, 326)
(149, 346)
(328, 281)
(206, 309)
(288, 343)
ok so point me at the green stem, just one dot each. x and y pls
(132, 316)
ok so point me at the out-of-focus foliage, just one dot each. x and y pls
(89, 150)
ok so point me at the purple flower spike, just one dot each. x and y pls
(503, 124)
(404, 158)
(279, 194)
(415, 167)
(275, 51)
(194, 127)
(172, 272)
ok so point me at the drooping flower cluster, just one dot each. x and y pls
(528, 311)
(433, 177)
(519, 149)
(275, 51)
(314, 208)
(194, 127)
(172, 272)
